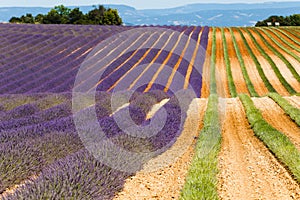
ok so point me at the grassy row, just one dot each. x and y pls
(278, 143)
(295, 47)
(250, 86)
(231, 85)
(201, 181)
(293, 112)
(283, 48)
(277, 53)
(257, 64)
(213, 82)
(288, 87)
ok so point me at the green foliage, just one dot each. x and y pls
(292, 111)
(272, 64)
(292, 20)
(201, 181)
(278, 143)
(63, 15)
(249, 84)
(231, 86)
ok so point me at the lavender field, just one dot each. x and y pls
(41, 154)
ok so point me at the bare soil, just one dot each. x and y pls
(294, 100)
(247, 169)
(277, 118)
(237, 74)
(206, 68)
(255, 78)
(167, 182)
(271, 76)
(286, 73)
(221, 75)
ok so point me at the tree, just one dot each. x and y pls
(63, 15)
(53, 17)
(75, 16)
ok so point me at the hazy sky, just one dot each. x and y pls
(135, 3)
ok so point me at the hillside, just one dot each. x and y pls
(159, 112)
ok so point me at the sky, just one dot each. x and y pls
(139, 4)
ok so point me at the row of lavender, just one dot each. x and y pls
(40, 146)
(39, 58)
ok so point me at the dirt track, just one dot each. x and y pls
(247, 169)
(275, 116)
(221, 75)
(206, 68)
(273, 79)
(167, 182)
(237, 74)
(255, 78)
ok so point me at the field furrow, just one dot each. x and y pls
(254, 76)
(247, 169)
(294, 100)
(270, 74)
(221, 75)
(277, 118)
(282, 67)
(206, 68)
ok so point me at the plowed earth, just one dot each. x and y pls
(247, 169)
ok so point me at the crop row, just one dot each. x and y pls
(278, 143)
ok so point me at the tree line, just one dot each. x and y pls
(63, 15)
(292, 20)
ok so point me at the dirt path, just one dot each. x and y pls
(247, 169)
(255, 78)
(167, 182)
(237, 74)
(221, 75)
(286, 73)
(270, 74)
(275, 116)
(206, 68)
(294, 100)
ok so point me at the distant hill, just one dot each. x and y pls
(193, 14)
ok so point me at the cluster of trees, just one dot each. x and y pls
(292, 20)
(63, 15)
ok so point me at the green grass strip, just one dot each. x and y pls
(287, 35)
(257, 64)
(283, 48)
(278, 143)
(277, 53)
(249, 84)
(201, 181)
(288, 87)
(213, 82)
(292, 111)
(293, 32)
(231, 84)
